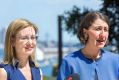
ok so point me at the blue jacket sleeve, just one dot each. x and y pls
(64, 70)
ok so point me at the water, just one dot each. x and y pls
(47, 66)
(1, 54)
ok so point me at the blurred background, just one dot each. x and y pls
(57, 21)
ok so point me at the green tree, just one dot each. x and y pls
(111, 9)
(72, 19)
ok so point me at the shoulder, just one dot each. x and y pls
(110, 54)
(72, 58)
(73, 55)
(69, 63)
(5, 66)
(3, 74)
(8, 68)
(111, 59)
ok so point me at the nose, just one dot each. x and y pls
(102, 31)
(29, 40)
(29, 43)
(102, 34)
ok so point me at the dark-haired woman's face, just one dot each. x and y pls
(97, 34)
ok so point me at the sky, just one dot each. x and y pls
(43, 13)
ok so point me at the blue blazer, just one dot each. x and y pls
(13, 73)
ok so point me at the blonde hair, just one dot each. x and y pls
(13, 29)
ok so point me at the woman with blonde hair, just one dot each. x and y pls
(19, 59)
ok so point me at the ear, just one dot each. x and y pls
(85, 34)
(84, 31)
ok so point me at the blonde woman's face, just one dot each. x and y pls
(25, 42)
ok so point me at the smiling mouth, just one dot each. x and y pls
(29, 48)
(100, 41)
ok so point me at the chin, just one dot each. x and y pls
(29, 52)
(100, 47)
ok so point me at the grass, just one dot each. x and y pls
(49, 78)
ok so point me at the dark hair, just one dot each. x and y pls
(87, 21)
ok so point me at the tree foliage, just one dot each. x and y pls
(73, 18)
(110, 8)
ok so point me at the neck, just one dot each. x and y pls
(23, 62)
(91, 53)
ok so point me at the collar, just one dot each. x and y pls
(91, 60)
(16, 63)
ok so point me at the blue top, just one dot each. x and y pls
(13, 72)
(104, 68)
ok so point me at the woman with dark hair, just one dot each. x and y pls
(92, 62)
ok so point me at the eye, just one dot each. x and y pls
(106, 29)
(98, 28)
(34, 37)
(24, 37)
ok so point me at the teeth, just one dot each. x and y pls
(100, 40)
(28, 48)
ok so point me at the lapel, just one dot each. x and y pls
(35, 73)
(17, 75)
